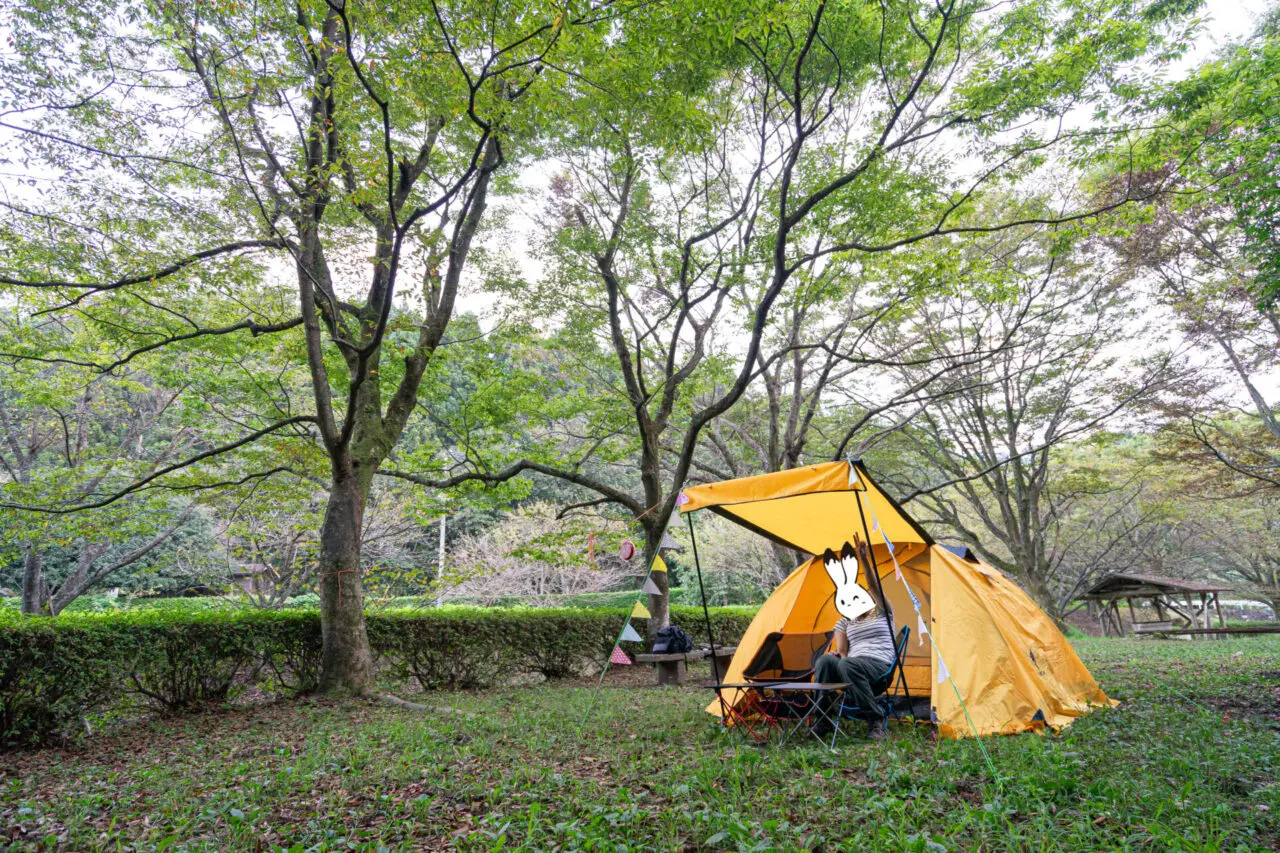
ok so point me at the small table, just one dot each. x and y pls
(802, 701)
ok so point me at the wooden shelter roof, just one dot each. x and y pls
(1145, 586)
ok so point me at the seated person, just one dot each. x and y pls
(864, 640)
(864, 650)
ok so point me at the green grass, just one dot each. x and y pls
(1188, 762)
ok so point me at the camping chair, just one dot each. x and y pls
(787, 657)
(880, 687)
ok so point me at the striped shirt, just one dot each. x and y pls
(869, 638)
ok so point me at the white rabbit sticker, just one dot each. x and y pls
(852, 600)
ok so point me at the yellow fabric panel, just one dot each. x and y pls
(1069, 690)
(815, 606)
(812, 508)
(815, 522)
(1006, 657)
(827, 477)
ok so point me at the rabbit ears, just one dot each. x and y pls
(851, 599)
(842, 568)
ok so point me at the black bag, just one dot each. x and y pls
(672, 640)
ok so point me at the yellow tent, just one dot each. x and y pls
(1010, 664)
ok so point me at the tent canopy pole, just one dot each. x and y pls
(706, 616)
(873, 571)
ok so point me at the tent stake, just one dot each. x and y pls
(706, 616)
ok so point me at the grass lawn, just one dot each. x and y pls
(1188, 762)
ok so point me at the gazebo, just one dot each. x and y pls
(1173, 595)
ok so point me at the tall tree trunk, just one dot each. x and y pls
(347, 663)
(1038, 587)
(35, 592)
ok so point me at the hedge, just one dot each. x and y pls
(54, 673)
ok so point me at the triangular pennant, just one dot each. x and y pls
(651, 587)
(921, 630)
(669, 544)
(682, 499)
(629, 634)
(943, 675)
(659, 565)
(640, 610)
(853, 474)
(619, 657)
(915, 602)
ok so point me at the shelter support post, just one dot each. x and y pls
(1100, 613)
(1217, 604)
(1133, 618)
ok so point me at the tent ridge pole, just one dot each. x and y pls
(706, 616)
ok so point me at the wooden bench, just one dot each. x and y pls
(723, 654)
(1140, 628)
(672, 667)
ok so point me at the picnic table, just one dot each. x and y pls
(672, 667)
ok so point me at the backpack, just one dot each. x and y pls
(672, 640)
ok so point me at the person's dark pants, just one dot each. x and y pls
(860, 673)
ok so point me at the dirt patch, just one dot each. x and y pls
(1264, 704)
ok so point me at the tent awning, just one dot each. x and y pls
(809, 509)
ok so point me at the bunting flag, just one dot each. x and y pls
(853, 474)
(682, 499)
(669, 544)
(659, 565)
(619, 657)
(629, 634)
(640, 611)
(651, 587)
(921, 630)
(915, 602)
(943, 675)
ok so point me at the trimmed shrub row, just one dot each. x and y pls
(54, 672)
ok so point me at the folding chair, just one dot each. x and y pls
(880, 687)
(787, 657)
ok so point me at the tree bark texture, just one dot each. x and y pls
(346, 660)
